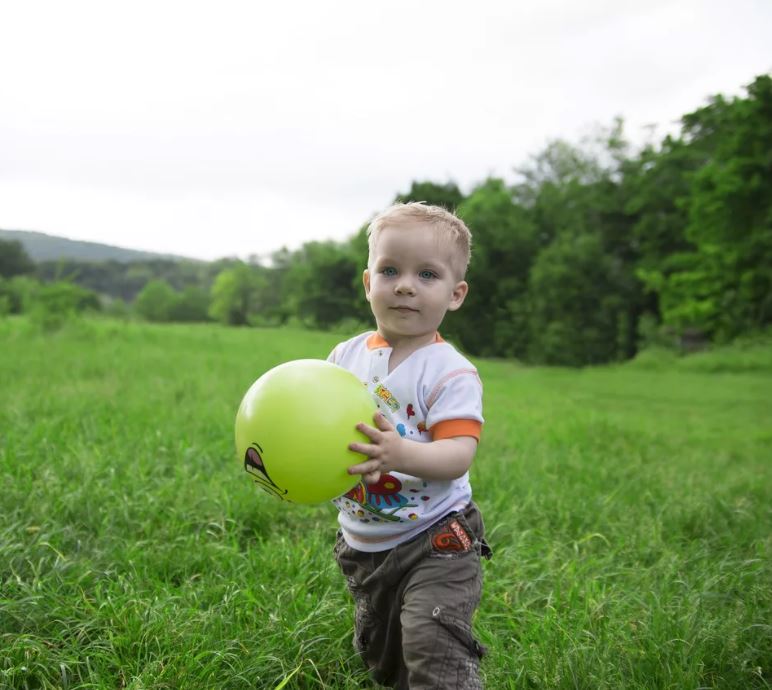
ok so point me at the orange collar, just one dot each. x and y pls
(376, 340)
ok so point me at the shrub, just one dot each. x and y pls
(17, 293)
(52, 304)
(155, 301)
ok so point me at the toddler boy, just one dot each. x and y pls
(410, 537)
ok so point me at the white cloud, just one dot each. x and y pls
(238, 127)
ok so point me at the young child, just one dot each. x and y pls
(410, 538)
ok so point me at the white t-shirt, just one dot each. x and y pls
(435, 393)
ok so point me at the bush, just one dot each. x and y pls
(17, 293)
(746, 354)
(116, 308)
(652, 334)
(155, 301)
(53, 304)
(654, 358)
(190, 305)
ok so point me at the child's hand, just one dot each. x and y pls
(385, 453)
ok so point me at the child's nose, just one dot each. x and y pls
(404, 287)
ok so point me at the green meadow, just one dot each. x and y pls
(629, 509)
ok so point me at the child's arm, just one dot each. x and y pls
(447, 458)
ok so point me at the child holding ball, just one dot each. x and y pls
(410, 538)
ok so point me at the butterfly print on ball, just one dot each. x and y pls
(255, 467)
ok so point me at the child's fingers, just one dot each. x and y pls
(365, 468)
(365, 448)
(372, 434)
(372, 477)
(382, 423)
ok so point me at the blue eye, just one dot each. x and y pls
(389, 271)
(427, 275)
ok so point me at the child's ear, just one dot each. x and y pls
(458, 295)
(366, 283)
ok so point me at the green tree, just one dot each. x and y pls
(730, 209)
(52, 304)
(493, 320)
(17, 293)
(358, 250)
(578, 312)
(155, 301)
(236, 294)
(571, 192)
(721, 284)
(557, 187)
(190, 305)
(657, 184)
(126, 280)
(320, 283)
(447, 195)
(14, 260)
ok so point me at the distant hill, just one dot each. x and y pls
(43, 247)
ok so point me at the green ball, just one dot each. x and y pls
(293, 428)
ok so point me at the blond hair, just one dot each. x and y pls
(450, 226)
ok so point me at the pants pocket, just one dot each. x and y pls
(451, 537)
(462, 632)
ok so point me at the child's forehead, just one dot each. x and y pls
(413, 239)
(428, 246)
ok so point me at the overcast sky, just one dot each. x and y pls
(213, 129)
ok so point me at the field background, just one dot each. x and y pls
(629, 508)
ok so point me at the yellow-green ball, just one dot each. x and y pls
(293, 428)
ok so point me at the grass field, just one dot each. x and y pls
(629, 508)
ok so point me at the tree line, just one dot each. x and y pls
(594, 251)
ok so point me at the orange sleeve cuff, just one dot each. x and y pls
(456, 427)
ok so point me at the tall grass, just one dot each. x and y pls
(629, 510)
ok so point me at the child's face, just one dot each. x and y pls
(411, 284)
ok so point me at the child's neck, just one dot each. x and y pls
(403, 347)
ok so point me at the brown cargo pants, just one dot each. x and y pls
(414, 605)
